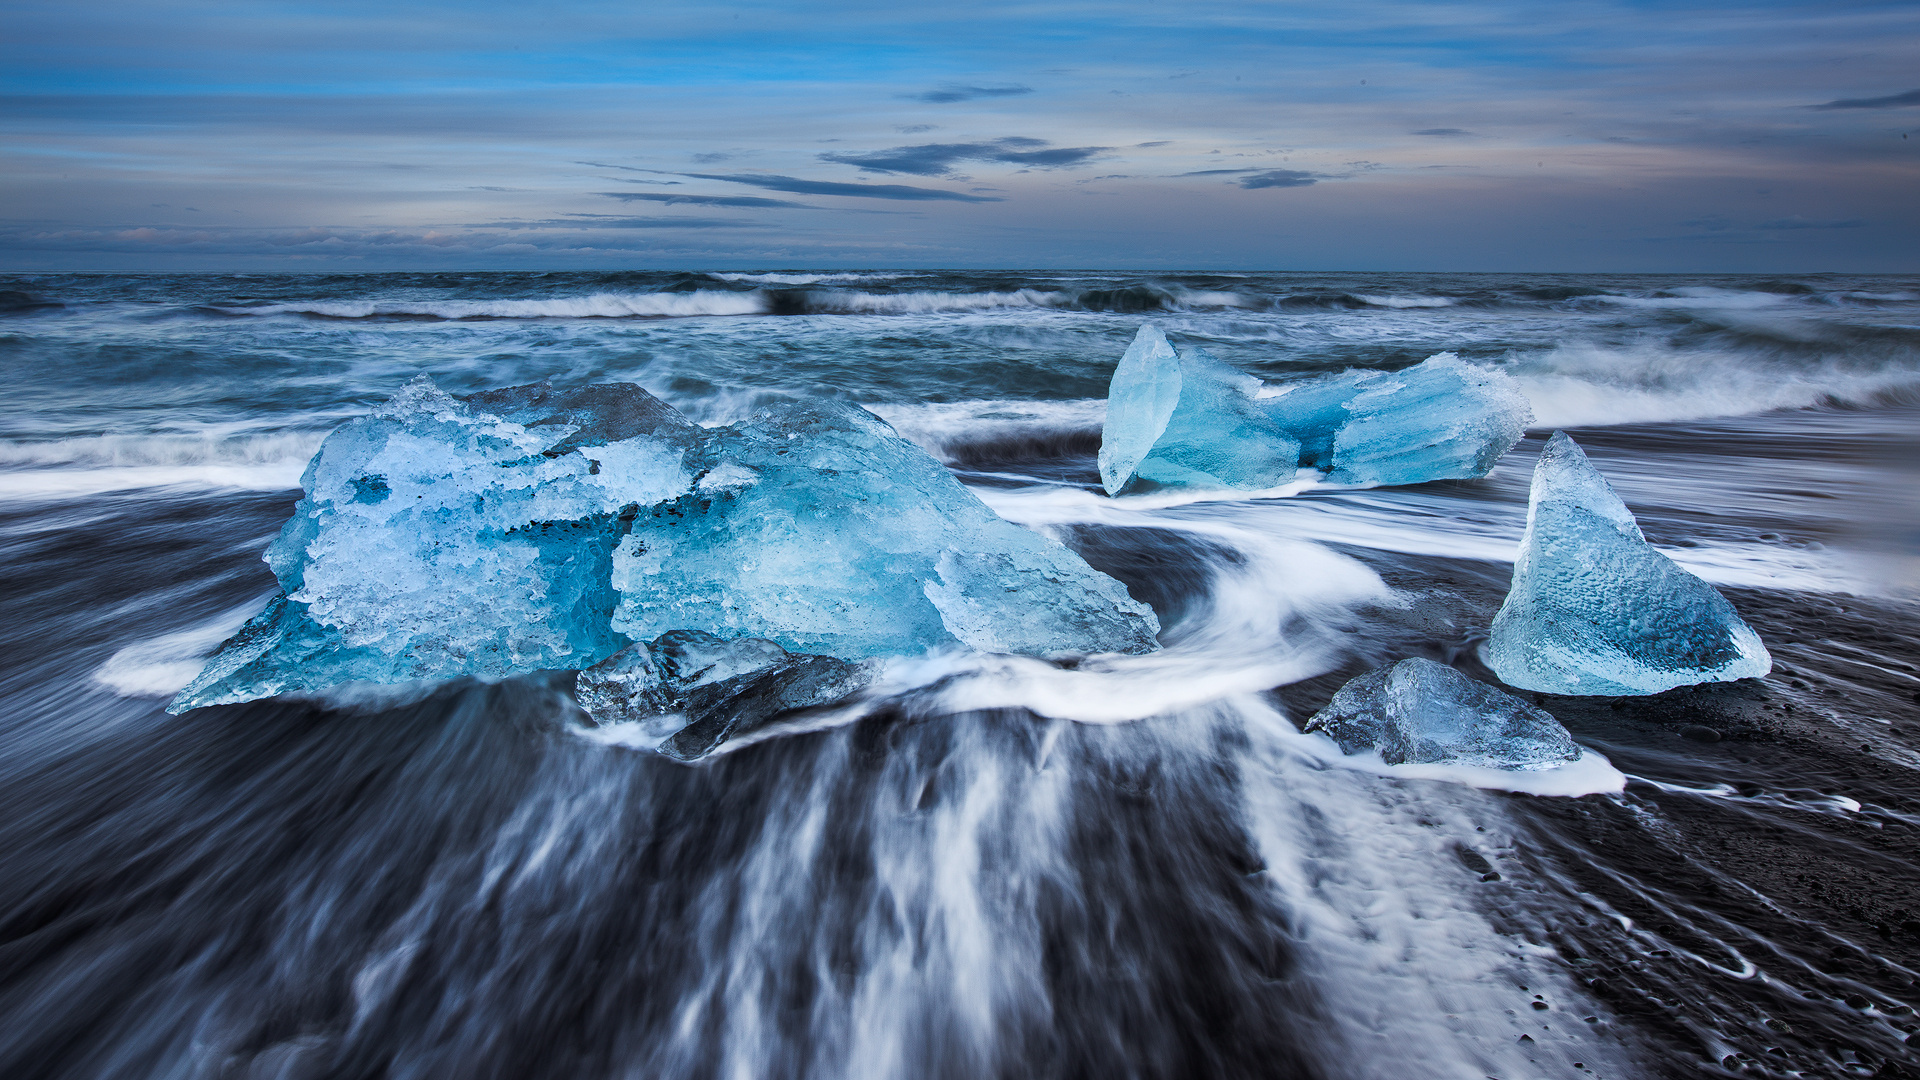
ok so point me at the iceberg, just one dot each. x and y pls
(441, 537)
(1184, 419)
(1181, 418)
(1418, 711)
(693, 690)
(530, 529)
(1596, 610)
(1440, 419)
(816, 526)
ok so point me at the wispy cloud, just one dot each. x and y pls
(1279, 178)
(1803, 223)
(829, 187)
(1445, 133)
(676, 199)
(951, 92)
(938, 159)
(1891, 101)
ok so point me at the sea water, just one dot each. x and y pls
(990, 865)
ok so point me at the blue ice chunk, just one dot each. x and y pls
(1184, 419)
(440, 538)
(1439, 419)
(690, 691)
(1419, 711)
(816, 526)
(1596, 610)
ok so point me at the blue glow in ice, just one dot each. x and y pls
(1187, 420)
(1418, 711)
(1440, 419)
(816, 526)
(1596, 610)
(528, 529)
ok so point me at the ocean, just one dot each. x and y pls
(1018, 870)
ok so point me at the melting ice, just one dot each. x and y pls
(529, 529)
(1596, 610)
(1181, 418)
(1418, 711)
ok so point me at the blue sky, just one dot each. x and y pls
(206, 134)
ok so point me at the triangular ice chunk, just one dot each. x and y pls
(1418, 711)
(816, 526)
(1184, 419)
(1596, 610)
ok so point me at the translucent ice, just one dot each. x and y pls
(816, 526)
(1187, 420)
(693, 691)
(1418, 711)
(528, 528)
(1595, 609)
(1439, 419)
(441, 538)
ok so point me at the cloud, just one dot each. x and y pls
(1891, 101)
(1803, 223)
(677, 199)
(1449, 133)
(1216, 172)
(937, 159)
(828, 187)
(1278, 178)
(951, 93)
(713, 158)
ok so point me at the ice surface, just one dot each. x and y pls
(1419, 712)
(441, 538)
(692, 690)
(1596, 610)
(527, 528)
(818, 527)
(1184, 419)
(1439, 419)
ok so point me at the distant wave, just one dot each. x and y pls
(659, 305)
(90, 465)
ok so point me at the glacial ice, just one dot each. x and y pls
(1437, 420)
(816, 526)
(1180, 418)
(693, 691)
(530, 529)
(1419, 711)
(1184, 419)
(1596, 610)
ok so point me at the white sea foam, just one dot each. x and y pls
(937, 425)
(594, 306)
(159, 666)
(90, 465)
(1406, 301)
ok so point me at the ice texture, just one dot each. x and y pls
(1596, 610)
(1184, 419)
(693, 690)
(531, 529)
(1418, 711)
(1437, 420)
(816, 526)
(441, 538)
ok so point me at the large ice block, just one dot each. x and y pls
(1596, 610)
(1419, 711)
(1184, 419)
(1439, 419)
(816, 526)
(440, 538)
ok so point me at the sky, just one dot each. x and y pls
(1598, 136)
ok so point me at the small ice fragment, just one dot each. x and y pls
(1437, 420)
(1184, 419)
(1418, 711)
(841, 538)
(693, 690)
(1596, 610)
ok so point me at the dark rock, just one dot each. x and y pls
(1699, 733)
